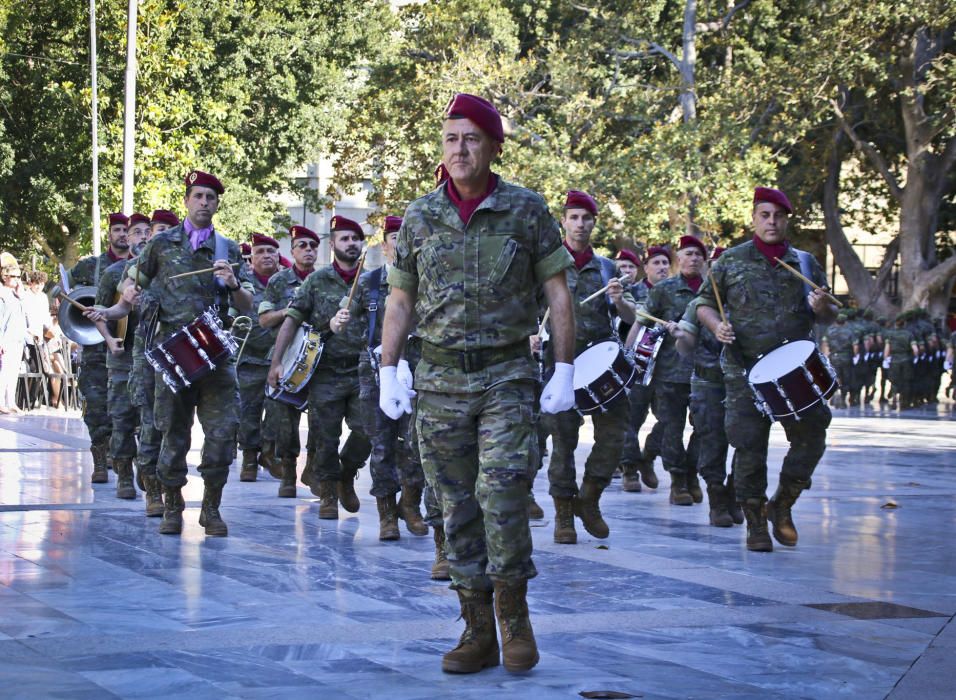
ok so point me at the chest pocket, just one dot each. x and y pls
(740, 292)
(502, 258)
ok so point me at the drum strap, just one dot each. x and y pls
(375, 289)
(608, 272)
(805, 269)
(222, 253)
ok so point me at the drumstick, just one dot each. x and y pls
(649, 317)
(720, 304)
(544, 320)
(600, 291)
(809, 281)
(199, 272)
(358, 272)
(75, 303)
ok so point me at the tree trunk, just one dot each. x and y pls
(688, 95)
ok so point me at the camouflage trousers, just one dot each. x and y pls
(748, 431)
(93, 383)
(707, 415)
(639, 400)
(214, 399)
(394, 460)
(124, 417)
(901, 378)
(150, 438)
(334, 397)
(671, 400)
(281, 425)
(252, 397)
(478, 452)
(610, 428)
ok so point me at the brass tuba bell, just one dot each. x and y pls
(73, 323)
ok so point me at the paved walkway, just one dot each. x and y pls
(94, 603)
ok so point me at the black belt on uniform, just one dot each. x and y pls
(474, 360)
(709, 374)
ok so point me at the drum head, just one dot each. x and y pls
(594, 362)
(781, 360)
(291, 353)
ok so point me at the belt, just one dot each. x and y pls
(709, 374)
(474, 360)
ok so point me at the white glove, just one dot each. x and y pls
(393, 398)
(558, 394)
(947, 365)
(405, 376)
(886, 363)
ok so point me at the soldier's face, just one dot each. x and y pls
(657, 269)
(346, 246)
(119, 237)
(156, 228)
(304, 253)
(201, 203)
(388, 246)
(626, 267)
(578, 225)
(770, 222)
(467, 151)
(265, 260)
(136, 236)
(690, 261)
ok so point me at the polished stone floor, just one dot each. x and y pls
(95, 604)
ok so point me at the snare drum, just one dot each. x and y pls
(602, 372)
(298, 400)
(790, 379)
(193, 351)
(300, 359)
(646, 346)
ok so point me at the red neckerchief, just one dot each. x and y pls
(302, 274)
(771, 250)
(580, 259)
(347, 275)
(648, 283)
(263, 279)
(466, 207)
(693, 282)
(113, 256)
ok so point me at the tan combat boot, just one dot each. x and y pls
(123, 467)
(440, 570)
(346, 492)
(269, 460)
(250, 465)
(209, 516)
(408, 510)
(564, 532)
(758, 539)
(518, 647)
(287, 485)
(693, 486)
(680, 496)
(646, 468)
(732, 505)
(586, 507)
(478, 647)
(719, 498)
(630, 481)
(328, 501)
(173, 505)
(101, 469)
(387, 518)
(779, 509)
(154, 497)
(534, 510)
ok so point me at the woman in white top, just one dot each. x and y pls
(13, 335)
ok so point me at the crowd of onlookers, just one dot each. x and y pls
(35, 357)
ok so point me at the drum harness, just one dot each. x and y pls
(375, 288)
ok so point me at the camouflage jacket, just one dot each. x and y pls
(84, 274)
(840, 338)
(279, 293)
(315, 303)
(901, 343)
(766, 305)
(707, 350)
(475, 284)
(106, 296)
(668, 301)
(594, 320)
(259, 344)
(181, 301)
(362, 303)
(639, 290)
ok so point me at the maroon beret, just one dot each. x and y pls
(164, 216)
(262, 239)
(692, 242)
(245, 249)
(119, 217)
(581, 200)
(303, 232)
(197, 178)
(284, 261)
(340, 223)
(656, 250)
(392, 223)
(716, 252)
(137, 218)
(768, 194)
(478, 110)
(625, 254)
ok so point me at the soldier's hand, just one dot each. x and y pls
(393, 398)
(94, 314)
(558, 393)
(819, 301)
(274, 373)
(340, 320)
(615, 291)
(115, 345)
(223, 270)
(672, 328)
(131, 295)
(404, 374)
(535, 341)
(725, 333)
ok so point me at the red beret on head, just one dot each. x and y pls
(392, 223)
(716, 252)
(478, 110)
(137, 218)
(164, 216)
(197, 178)
(303, 232)
(656, 250)
(692, 242)
(581, 200)
(262, 239)
(118, 218)
(625, 254)
(284, 261)
(768, 194)
(340, 223)
(245, 249)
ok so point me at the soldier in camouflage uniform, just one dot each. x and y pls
(657, 268)
(594, 322)
(837, 345)
(93, 378)
(765, 305)
(667, 301)
(191, 246)
(872, 353)
(899, 350)
(472, 255)
(334, 387)
(252, 368)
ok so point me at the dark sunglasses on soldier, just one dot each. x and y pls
(306, 244)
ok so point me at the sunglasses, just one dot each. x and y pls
(307, 244)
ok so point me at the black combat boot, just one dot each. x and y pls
(518, 646)
(174, 505)
(758, 538)
(586, 507)
(123, 466)
(440, 570)
(250, 465)
(478, 647)
(100, 451)
(779, 509)
(209, 516)
(409, 511)
(387, 518)
(719, 499)
(287, 485)
(154, 497)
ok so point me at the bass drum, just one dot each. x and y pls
(791, 378)
(602, 372)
